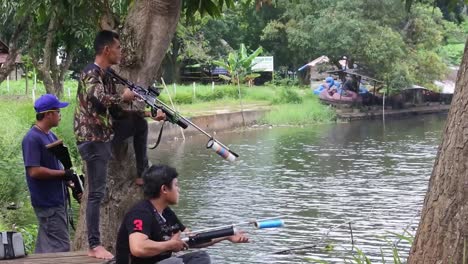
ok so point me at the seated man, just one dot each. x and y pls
(331, 86)
(351, 84)
(151, 231)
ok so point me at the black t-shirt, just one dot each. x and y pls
(145, 219)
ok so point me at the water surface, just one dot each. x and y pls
(319, 178)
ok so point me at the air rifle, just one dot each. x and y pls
(150, 97)
(60, 151)
(206, 235)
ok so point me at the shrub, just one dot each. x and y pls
(287, 96)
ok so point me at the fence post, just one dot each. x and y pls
(34, 87)
(194, 90)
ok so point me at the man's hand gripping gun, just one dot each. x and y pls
(60, 151)
(206, 235)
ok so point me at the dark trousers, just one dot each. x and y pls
(96, 156)
(52, 235)
(197, 257)
(133, 125)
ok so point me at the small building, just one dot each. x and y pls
(316, 70)
(18, 70)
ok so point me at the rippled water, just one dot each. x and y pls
(319, 178)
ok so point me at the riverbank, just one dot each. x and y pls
(215, 121)
(378, 113)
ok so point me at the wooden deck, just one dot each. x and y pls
(56, 258)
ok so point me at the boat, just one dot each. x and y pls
(341, 97)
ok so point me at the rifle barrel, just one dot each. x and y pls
(164, 107)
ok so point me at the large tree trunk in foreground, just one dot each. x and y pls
(146, 35)
(443, 230)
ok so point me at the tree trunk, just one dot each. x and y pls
(443, 229)
(176, 43)
(53, 74)
(145, 37)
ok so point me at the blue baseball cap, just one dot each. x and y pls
(48, 102)
(329, 79)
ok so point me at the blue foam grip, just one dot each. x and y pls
(269, 223)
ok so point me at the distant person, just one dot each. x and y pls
(329, 85)
(46, 178)
(151, 231)
(351, 84)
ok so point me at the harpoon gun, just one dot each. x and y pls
(60, 151)
(206, 235)
(150, 97)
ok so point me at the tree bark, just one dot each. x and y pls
(148, 30)
(443, 229)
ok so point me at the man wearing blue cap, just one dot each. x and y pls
(46, 178)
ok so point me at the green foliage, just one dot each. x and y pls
(359, 257)
(29, 233)
(452, 53)
(278, 81)
(185, 94)
(427, 66)
(239, 64)
(210, 7)
(287, 96)
(398, 77)
(12, 181)
(310, 111)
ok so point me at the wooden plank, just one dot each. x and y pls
(74, 257)
(59, 254)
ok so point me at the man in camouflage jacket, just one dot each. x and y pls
(96, 99)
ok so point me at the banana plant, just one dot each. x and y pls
(239, 65)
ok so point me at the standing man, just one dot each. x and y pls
(150, 231)
(46, 178)
(96, 98)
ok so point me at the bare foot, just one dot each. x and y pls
(139, 181)
(100, 252)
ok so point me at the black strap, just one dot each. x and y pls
(9, 251)
(69, 211)
(159, 137)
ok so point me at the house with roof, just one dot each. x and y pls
(316, 69)
(18, 70)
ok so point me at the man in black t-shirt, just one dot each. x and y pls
(151, 231)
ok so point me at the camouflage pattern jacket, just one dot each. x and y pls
(97, 97)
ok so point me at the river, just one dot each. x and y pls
(318, 179)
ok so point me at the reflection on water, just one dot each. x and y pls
(319, 178)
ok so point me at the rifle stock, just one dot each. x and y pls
(207, 236)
